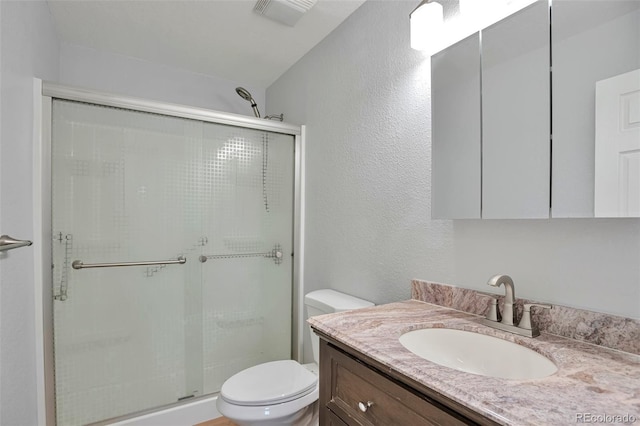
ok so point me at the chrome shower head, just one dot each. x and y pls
(244, 94)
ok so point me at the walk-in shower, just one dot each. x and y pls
(172, 249)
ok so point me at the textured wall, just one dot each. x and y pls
(109, 72)
(29, 49)
(364, 95)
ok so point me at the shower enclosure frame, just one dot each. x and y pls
(43, 95)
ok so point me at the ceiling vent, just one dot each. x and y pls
(286, 12)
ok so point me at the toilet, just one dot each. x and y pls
(281, 393)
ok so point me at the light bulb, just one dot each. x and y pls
(426, 20)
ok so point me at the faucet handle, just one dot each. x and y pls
(493, 314)
(525, 321)
(527, 306)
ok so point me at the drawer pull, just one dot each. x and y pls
(364, 406)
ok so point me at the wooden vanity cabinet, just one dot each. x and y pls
(356, 390)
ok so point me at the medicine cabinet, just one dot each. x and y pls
(596, 47)
(514, 137)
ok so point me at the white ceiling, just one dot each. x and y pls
(224, 38)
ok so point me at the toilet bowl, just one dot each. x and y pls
(282, 393)
(273, 393)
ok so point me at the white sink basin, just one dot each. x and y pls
(477, 353)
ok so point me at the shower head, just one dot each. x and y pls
(244, 94)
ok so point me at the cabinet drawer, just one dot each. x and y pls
(360, 395)
(332, 419)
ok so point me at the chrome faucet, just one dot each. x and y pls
(493, 319)
(509, 296)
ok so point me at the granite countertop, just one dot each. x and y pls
(591, 380)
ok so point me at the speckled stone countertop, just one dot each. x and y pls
(591, 380)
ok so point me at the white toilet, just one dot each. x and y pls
(281, 393)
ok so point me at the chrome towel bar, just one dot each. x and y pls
(9, 243)
(77, 264)
(275, 254)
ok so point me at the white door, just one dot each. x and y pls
(617, 173)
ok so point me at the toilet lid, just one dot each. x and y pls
(269, 383)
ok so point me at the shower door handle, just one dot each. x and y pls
(77, 264)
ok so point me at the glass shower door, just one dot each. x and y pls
(122, 186)
(130, 186)
(247, 263)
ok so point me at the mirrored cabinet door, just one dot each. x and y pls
(455, 96)
(596, 108)
(516, 115)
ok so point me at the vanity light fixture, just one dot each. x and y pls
(425, 19)
(468, 7)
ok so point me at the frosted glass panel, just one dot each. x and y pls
(248, 176)
(130, 186)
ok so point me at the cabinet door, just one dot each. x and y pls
(516, 116)
(359, 395)
(455, 99)
(592, 41)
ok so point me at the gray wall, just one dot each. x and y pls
(29, 49)
(364, 95)
(103, 71)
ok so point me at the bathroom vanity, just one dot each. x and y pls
(368, 378)
(358, 390)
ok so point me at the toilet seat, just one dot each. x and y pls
(270, 383)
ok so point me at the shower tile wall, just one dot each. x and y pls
(132, 187)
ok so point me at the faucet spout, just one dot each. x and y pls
(509, 298)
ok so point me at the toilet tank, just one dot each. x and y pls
(328, 301)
